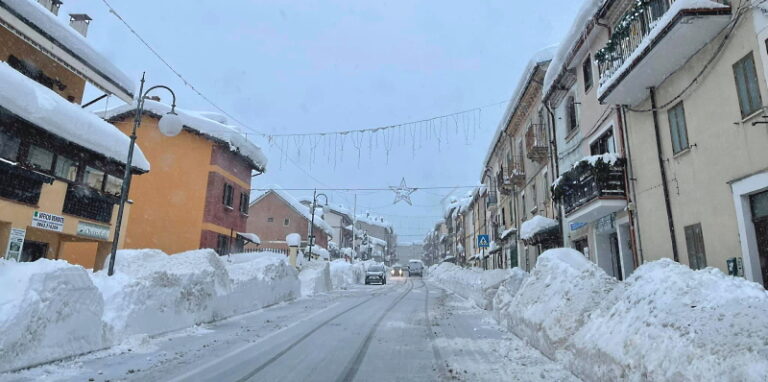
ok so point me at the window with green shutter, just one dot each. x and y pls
(747, 87)
(678, 128)
(694, 240)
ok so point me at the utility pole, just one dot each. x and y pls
(311, 238)
(354, 225)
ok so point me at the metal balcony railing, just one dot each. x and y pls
(536, 144)
(516, 170)
(88, 203)
(586, 186)
(20, 184)
(629, 33)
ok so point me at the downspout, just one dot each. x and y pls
(555, 166)
(664, 185)
(634, 232)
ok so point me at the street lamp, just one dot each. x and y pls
(312, 220)
(170, 125)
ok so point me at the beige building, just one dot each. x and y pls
(694, 95)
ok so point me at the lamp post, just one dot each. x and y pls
(312, 220)
(169, 125)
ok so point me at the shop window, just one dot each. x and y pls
(694, 240)
(244, 203)
(747, 87)
(40, 158)
(9, 147)
(228, 194)
(66, 168)
(94, 178)
(113, 186)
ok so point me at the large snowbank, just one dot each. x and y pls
(258, 281)
(153, 293)
(344, 274)
(42, 107)
(49, 310)
(208, 124)
(315, 277)
(506, 293)
(669, 322)
(474, 284)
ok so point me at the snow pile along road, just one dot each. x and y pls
(315, 277)
(258, 280)
(49, 309)
(153, 293)
(669, 322)
(506, 293)
(556, 298)
(474, 284)
(344, 274)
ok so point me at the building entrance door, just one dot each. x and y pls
(616, 256)
(759, 206)
(33, 250)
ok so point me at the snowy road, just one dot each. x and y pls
(409, 330)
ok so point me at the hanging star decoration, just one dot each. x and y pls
(403, 192)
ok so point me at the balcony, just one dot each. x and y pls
(651, 41)
(588, 192)
(20, 184)
(504, 182)
(517, 170)
(88, 203)
(536, 145)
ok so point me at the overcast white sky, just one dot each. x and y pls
(310, 66)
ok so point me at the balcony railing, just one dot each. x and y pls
(20, 184)
(516, 170)
(629, 33)
(536, 144)
(583, 186)
(88, 203)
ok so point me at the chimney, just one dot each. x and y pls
(51, 5)
(80, 22)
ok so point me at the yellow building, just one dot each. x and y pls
(60, 167)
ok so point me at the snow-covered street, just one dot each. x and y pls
(409, 329)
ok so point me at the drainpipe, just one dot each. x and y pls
(555, 166)
(634, 231)
(663, 171)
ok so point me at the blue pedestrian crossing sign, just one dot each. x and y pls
(483, 241)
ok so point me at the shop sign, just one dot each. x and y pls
(48, 221)
(93, 231)
(15, 243)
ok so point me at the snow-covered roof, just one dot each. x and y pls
(42, 107)
(209, 124)
(252, 237)
(39, 23)
(535, 225)
(540, 57)
(339, 209)
(583, 20)
(374, 220)
(298, 207)
(377, 241)
(507, 232)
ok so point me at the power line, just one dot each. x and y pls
(358, 189)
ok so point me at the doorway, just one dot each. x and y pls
(616, 256)
(33, 251)
(759, 205)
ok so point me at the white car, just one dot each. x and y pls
(415, 267)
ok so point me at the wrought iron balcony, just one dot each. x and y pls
(88, 203)
(658, 35)
(580, 187)
(20, 184)
(517, 170)
(536, 145)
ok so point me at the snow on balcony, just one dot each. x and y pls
(668, 42)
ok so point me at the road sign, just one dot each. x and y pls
(483, 241)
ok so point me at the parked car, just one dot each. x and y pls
(375, 274)
(397, 270)
(415, 268)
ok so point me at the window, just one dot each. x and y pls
(586, 70)
(228, 194)
(9, 147)
(66, 168)
(270, 220)
(40, 158)
(677, 128)
(694, 240)
(747, 86)
(604, 144)
(113, 186)
(222, 245)
(573, 119)
(503, 217)
(286, 221)
(94, 178)
(244, 203)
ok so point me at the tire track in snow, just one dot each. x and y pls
(354, 365)
(439, 361)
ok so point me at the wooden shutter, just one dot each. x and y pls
(694, 240)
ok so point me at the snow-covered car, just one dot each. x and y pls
(415, 268)
(375, 274)
(397, 271)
